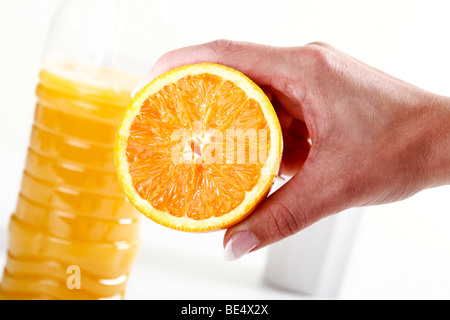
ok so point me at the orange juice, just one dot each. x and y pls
(73, 235)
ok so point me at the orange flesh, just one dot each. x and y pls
(206, 107)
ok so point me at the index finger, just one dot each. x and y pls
(256, 61)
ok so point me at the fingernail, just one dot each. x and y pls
(240, 244)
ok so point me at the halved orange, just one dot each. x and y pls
(198, 148)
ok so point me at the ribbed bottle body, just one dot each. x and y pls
(73, 234)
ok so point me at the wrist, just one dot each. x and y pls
(435, 137)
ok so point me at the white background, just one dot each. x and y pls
(402, 249)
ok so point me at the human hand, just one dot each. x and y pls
(353, 135)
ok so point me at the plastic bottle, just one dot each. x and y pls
(73, 234)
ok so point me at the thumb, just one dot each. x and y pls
(303, 200)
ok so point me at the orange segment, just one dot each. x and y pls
(198, 148)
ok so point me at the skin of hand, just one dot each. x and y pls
(353, 135)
